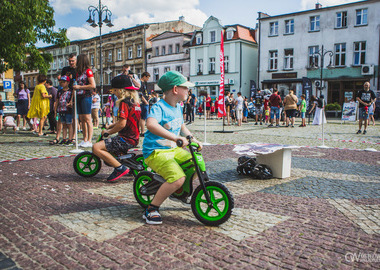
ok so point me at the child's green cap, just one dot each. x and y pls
(171, 79)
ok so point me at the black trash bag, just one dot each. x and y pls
(246, 164)
(261, 171)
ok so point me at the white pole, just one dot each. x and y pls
(76, 150)
(323, 131)
(205, 113)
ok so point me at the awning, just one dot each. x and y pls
(282, 81)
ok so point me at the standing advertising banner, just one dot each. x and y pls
(307, 89)
(349, 111)
(221, 103)
(253, 89)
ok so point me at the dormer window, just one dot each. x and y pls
(230, 33)
(212, 37)
(198, 39)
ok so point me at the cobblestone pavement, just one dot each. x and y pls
(325, 216)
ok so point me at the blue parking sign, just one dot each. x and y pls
(7, 85)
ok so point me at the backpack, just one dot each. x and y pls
(320, 103)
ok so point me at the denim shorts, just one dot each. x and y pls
(115, 110)
(144, 111)
(1, 112)
(303, 114)
(84, 105)
(363, 114)
(274, 111)
(66, 118)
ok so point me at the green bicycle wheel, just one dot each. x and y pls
(86, 164)
(139, 159)
(142, 179)
(222, 200)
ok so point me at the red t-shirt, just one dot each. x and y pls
(131, 112)
(208, 102)
(275, 100)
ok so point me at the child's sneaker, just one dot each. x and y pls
(117, 173)
(152, 216)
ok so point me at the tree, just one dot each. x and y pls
(23, 24)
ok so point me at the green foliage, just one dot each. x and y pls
(333, 107)
(23, 24)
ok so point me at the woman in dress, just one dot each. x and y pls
(85, 83)
(40, 105)
(318, 106)
(23, 104)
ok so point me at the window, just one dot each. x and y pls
(67, 50)
(156, 74)
(211, 69)
(60, 51)
(109, 77)
(198, 39)
(179, 69)
(230, 34)
(361, 16)
(157, 51)
(74, 49)
(166, 69)
(34, 81)
(273, 60)
(200, 67)
(177, 47)
(273, 29)
(60, 63)
(163, 50)
(359, 53)
(92, 57)
(130, 52)
(226, 64)
(212, 37)
(29, 82)
(289, 26)
(314, 23)
(340, 54)
(288, 60)
(119, 54)
(139, 72)
(139, 51)
(170, 49)
(54, 64)
(341, 19)
(109, 58)
(313, 58)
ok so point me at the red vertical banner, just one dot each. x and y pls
(221, 103)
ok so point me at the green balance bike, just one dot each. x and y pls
(87, 164)
(211, 202)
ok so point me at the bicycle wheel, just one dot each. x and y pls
(142, 179)
(139, 159)
(86, 164)
(222, 200)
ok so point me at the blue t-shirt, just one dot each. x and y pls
(170, 118)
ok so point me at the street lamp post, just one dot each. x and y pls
(100, 11)
(322, 53)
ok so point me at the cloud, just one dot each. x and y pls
(310, 4)
(126, 13)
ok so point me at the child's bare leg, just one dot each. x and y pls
(166, 190)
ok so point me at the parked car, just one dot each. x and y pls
(10, 107)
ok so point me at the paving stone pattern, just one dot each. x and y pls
(326, 212)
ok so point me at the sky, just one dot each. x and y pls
(72, 14)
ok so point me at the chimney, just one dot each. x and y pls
(181, 18)
(318, 6)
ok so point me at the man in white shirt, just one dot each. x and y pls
(135, 79)
(239, 108)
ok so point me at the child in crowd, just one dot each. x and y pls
(303, 110)
(165, 126)
(107, 110)
(127, 127)
(63, 106)
(266, 109)
(9, 121)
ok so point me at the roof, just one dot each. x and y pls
(268, 17)
(170, 34)
(241, 33)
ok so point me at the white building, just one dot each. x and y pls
(168, 52)
(288, 43)
(240, 58)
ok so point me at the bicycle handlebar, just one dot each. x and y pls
(179, 142)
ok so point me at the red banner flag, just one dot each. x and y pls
(221, 103)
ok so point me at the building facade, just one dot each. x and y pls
(348, 35)
(6, 92)
(240, 58)
(169, 52)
